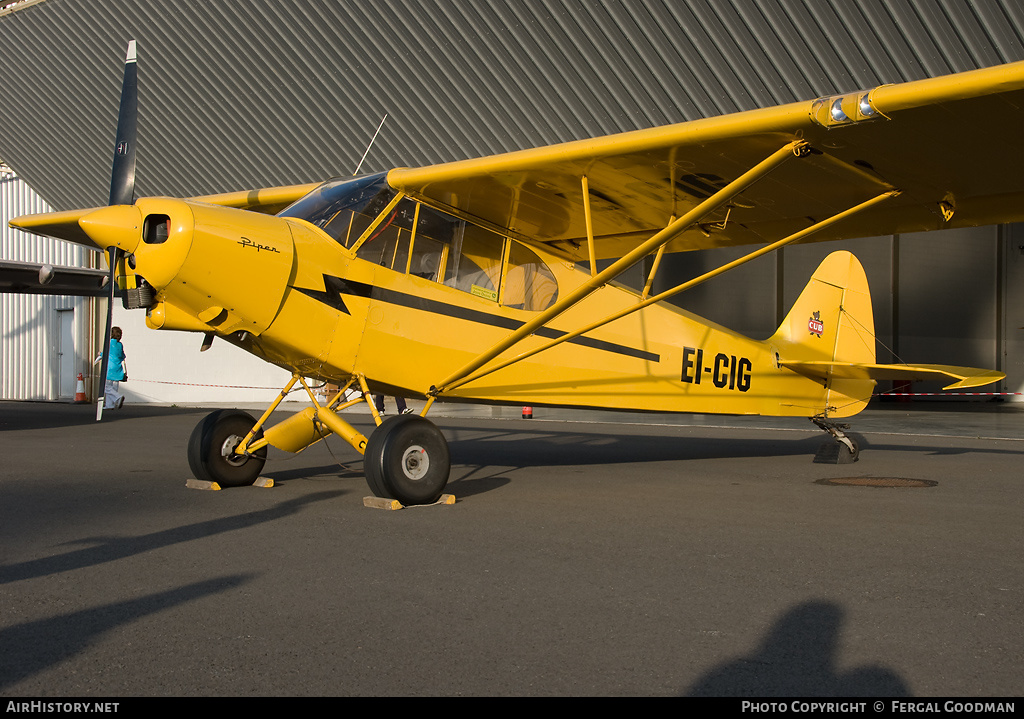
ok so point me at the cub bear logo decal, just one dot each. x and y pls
(815, 325)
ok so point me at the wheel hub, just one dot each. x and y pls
(227, 451)
(415, 462)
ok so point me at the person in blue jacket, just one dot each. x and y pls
(116, 372)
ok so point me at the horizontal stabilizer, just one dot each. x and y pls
(965, 377)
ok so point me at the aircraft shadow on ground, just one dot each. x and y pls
(19, 416)
(485, 462)
(33, 647)
(101, 550)
(350, 468)
(798, 658)
(530, 448)
(484, 459)
(552, 447)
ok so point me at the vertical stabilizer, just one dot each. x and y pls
(832, 321)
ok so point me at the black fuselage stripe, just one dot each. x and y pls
(464, 313)
(335, 288)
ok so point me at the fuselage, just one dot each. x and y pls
(356, 280)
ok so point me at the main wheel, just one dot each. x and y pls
(211, 449)
(407, 459)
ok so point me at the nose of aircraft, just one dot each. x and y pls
(114, 226)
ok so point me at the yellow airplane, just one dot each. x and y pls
(478, 281)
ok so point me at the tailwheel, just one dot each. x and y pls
(211, 449)
(407, 459)
(843, 449)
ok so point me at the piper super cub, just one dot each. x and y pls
(478, 280)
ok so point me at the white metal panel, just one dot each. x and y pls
(30, 324)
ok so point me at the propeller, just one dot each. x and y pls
(122, 187)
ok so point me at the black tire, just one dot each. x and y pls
(210, 446)
(835, 452)
(407, 459)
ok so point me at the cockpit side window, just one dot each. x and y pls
(435, 232)
(388, 244)
(415, 239)
(427, 258)
(475, 262)
(529, 282)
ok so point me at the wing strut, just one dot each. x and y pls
(802, 234)
(797, 148)
(590, 226)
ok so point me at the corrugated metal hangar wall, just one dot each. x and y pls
(241, 95)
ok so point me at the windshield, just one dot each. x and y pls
(335, 205)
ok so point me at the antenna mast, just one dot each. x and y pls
(372, 140)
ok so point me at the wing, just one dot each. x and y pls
(40, 279)
(950, 145)
(268, 200)
(64, 225)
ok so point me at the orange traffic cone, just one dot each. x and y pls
(80, 397)
(527, 412)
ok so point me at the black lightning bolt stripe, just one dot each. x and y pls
(335, 287)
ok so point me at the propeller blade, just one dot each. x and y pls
(122, 190)
(112, 286)
(122, 177)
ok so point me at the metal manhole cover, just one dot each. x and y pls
(876, 482)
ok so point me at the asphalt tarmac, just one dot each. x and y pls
(587, 554)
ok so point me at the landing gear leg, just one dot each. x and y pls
(842, 450)
(405, 458)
